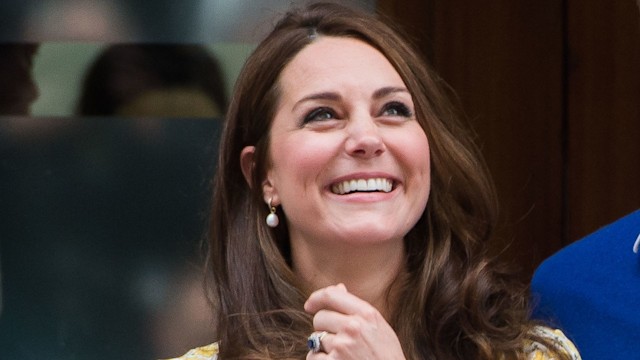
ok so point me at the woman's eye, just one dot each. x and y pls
(319, 114)
(396, 109)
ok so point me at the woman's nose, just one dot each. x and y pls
(364, 138)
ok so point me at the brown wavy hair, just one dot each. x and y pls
(457, 304)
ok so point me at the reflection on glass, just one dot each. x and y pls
(17, 87)
(101, 228)
(173, 80)
(60, 72)
(168, 21)
(162, 80)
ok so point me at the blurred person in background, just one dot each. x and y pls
(18, 89)
(154, 80)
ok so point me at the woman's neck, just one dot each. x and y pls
(367, 270)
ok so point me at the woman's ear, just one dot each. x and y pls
(269, 192)
(247, 163)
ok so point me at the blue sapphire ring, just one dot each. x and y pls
(314, 342)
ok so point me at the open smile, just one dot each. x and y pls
(362, 185)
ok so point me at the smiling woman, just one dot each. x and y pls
(351, 124)
(341, 132)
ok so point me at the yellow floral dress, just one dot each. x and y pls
(538, 351)
(535, 350)
(209, 352)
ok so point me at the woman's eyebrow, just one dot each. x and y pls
(318, 96)
(387, 90)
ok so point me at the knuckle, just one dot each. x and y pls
(318, 317)
(342, 345)
(328, 294)
(370, 314)
(325, 293)
(353, 328)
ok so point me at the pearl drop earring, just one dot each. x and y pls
(272, 218)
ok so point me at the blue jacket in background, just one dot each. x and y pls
(591, 290)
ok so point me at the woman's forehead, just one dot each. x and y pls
(331, 61)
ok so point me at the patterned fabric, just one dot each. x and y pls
(538, 351)
(535, 350)
(209, 352)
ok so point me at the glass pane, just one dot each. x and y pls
(101, 229)
(103, 216)
(110, 79)
(184, 21)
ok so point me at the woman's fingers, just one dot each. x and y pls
(336, 298)
(329, 320)
(337, 310)
(356, 329)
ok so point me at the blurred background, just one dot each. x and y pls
(110, 115)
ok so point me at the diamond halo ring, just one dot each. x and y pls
(314, 342)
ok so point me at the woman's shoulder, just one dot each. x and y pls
(538, 351)
(209, 352)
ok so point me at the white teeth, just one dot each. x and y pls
(362, 185)
(353, 185)
(349, 186)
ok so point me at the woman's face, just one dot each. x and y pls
(349, 161)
